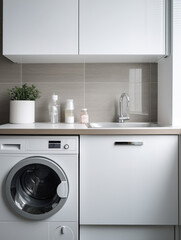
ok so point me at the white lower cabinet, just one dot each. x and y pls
(126, 233)
(128, 187)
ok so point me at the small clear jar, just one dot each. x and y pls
(84, 117)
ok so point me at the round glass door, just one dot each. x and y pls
(36, 188)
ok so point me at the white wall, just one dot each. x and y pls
(169, 74)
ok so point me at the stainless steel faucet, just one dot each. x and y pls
(122, 117)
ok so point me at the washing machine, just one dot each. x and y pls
(39, 187)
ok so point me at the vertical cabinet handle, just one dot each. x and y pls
(134, 143)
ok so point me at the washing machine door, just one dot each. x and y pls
(36, 188)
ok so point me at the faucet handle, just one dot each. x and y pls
(121, 119)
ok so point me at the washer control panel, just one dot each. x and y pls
(54, 144)
(66, 146)
(43, 144)
(57, 145)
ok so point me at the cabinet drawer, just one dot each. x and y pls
(127, 232)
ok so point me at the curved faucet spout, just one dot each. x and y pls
(123, 117)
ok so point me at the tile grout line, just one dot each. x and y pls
(84, 104)
(21, 77)
(150, 118)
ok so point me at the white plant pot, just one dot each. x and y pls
(22, 111)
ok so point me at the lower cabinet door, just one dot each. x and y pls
(129, 180)
(127, 232)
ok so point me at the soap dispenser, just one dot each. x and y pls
(54, 109)
(69, 111)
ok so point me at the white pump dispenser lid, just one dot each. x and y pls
(69, 104)
(55, 97)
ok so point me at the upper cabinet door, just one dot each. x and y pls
(40, 27)
(122, 27)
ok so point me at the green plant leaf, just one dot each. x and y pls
(24, 93)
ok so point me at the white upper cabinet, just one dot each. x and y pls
(40, 27)
(122, 27)
(50, 31)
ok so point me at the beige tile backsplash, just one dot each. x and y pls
(96, 86)
(54, 73)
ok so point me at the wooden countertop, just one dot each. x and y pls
(81, 129)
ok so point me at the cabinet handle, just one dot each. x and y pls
(128, 143)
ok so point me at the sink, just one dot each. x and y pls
(121, 125)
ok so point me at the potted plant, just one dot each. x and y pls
(22, 103)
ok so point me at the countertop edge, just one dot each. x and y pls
(138, 131)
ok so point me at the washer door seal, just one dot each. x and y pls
(36, 188)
